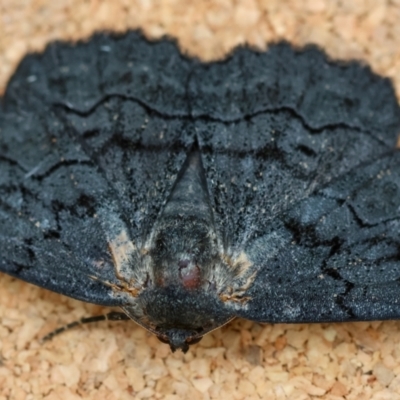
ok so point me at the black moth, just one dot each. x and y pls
(265, 186)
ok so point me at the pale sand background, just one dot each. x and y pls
(243, 360)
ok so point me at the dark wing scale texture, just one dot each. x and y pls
(263, 165)
(138, 152)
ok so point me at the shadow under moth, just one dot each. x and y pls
(265, 186)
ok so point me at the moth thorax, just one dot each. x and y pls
(182, 252)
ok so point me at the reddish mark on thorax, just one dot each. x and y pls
(189, 273)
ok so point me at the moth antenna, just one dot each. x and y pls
(111, 316)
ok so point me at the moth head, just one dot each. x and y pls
(178, 316)
(179, 339)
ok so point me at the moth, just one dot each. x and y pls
(264, 186)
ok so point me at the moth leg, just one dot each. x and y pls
(111, 316)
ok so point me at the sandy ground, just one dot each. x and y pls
(243, 360)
